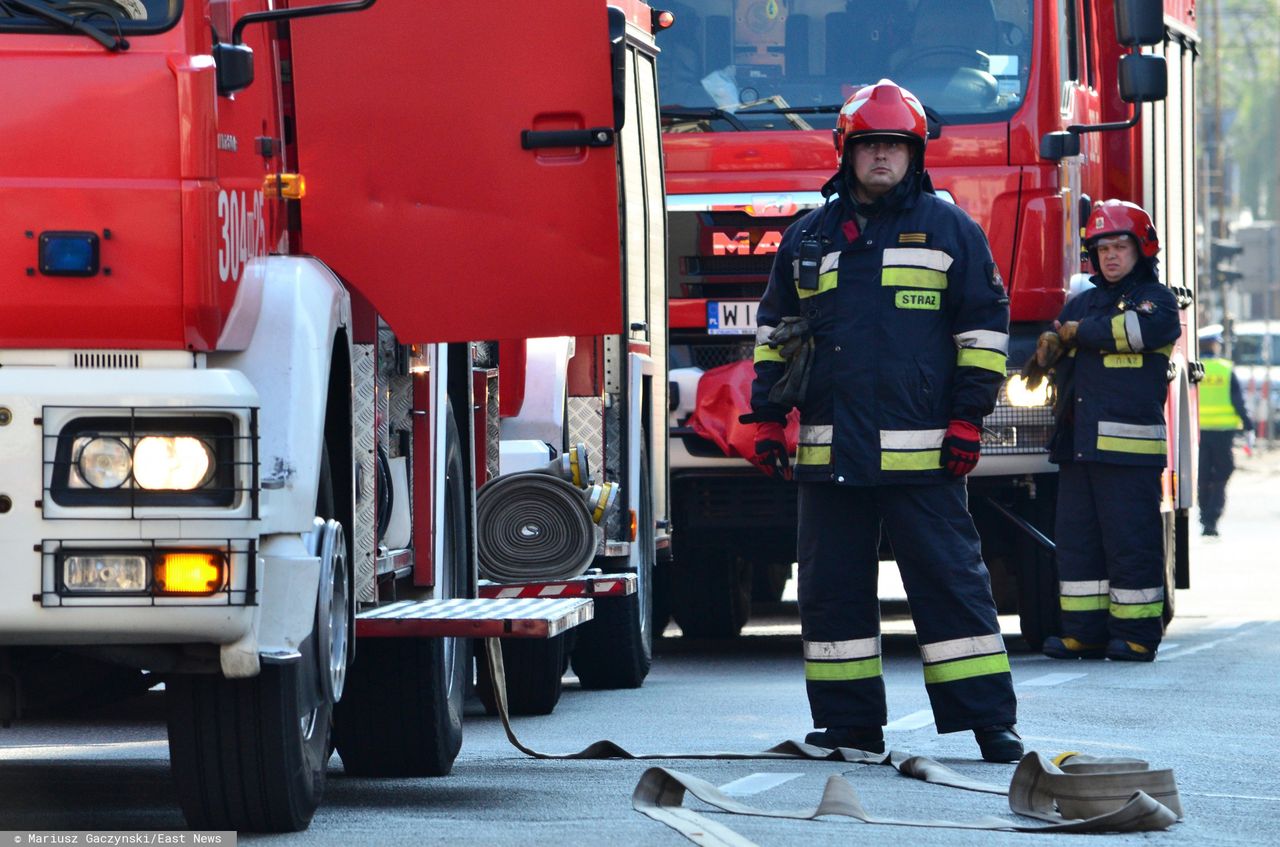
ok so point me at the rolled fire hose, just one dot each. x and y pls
(532, 526)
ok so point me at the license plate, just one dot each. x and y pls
(731, 317)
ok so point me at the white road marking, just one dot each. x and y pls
(1210, 645)
(1165, 646)
(1226, 623)
(1051, 679)
(1232, 796)
(915, 720)
(756, 783)
(44, 751)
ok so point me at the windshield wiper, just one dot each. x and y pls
(791, 110)
(705, 112)
(69, 22)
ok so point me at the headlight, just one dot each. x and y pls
(172, 463)
(148, 460)
(1023, 397)
(103, 462)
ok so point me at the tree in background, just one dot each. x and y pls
(1240, 81)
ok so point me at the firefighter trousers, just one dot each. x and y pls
(966, 669)
(1110, 548)
(1216, 465)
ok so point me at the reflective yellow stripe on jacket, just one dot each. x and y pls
(915, 267)
(911, 449)
(1132, 438)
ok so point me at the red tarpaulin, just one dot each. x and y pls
(723, 394)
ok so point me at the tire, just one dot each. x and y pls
(251, 754)
(769, 581)
(1036, 569)
(615, 648)
(534, 669)
(711, 592)
(1171, 527)
(401, 712)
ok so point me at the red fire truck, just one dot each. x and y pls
(1030, 105)
(288, 293)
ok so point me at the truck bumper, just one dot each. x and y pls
(39, 527)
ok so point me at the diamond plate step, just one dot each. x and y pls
(482, 618)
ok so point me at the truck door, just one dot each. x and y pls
(420, 194)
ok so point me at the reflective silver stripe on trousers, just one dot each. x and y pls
(917, 257)
(911, 439)
(816, 433)
(1133, 331)
(1124, 430)
(1132, 596)
(987, 339)
(762, 333)
(860, 648)
(1085, 588)
(961, 648)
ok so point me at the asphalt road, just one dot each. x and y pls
(1206, 708)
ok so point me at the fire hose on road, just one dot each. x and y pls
(1074, 793)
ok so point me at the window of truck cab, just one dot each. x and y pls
(969, 60)
(128, 17)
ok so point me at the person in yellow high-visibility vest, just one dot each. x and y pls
(1222, 415)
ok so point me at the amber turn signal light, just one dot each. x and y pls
(188, 572)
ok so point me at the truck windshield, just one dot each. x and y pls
(123, 17)
(790, 64)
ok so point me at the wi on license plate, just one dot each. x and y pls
(731, 317)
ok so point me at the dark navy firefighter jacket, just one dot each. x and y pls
(910, 321)
(1112, 386)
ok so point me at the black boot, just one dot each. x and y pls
(868, 738)
(999, 743)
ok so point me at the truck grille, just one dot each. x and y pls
(1013, 430)
(708, 356)
(729, 265)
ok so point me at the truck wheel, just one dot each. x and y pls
(711, 592)
(615, 647)
(1037, 569)
(401, 712)
(535, 669)
(1171, 527)
(769, 581)
(251, 754)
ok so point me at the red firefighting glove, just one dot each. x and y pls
(771, 449)
(960, 447)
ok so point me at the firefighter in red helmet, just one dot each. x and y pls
(905, 326)
(1110, 443)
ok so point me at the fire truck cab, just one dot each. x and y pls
(267, 272)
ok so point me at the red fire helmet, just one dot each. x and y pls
(1117, 217)
(884, 108)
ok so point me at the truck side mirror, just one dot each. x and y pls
(234, 64)
(1143, 79)
(1056, 146)
(1139, 22)
(618, 64)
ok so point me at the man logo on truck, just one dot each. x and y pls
(722, 243)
